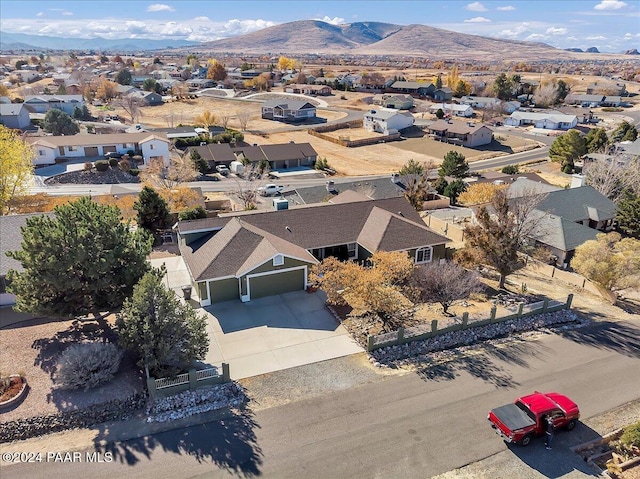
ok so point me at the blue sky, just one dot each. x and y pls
(610, 25)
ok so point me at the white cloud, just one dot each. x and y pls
(476, 7)
(477, 20)
(67, 14)
(160, 7)
(556, 31)
(535, 37)
(202, 19)
(39, 14)
(332, 21)
(596, 37)
(631, 36)
(516, 31)
(508, 8)
(610, 5)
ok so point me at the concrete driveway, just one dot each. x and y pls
(274, 333)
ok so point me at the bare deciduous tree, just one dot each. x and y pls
(612, 175)
(444, 283)
(247, 189)
(546, 94)
(131, 105)
(181, 169)
(243, 118)
(224, 118)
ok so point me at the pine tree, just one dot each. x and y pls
(567, 148)
(81, 260)
(628, 215)
(454, 164)
(153, 212)
(165, 334)
(596, 140)
(58, 123)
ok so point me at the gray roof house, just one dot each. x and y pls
(288, 110)
(279, 156)
(43, 103)
(251, 255)
(14, 115)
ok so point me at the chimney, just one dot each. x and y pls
(330, 185)
(395, 178)
(578, 180)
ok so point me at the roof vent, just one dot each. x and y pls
(400, 213)
(288, 228)
(395, 178)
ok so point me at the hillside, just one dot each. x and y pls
(375, 38)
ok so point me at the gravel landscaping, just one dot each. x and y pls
(93, 177)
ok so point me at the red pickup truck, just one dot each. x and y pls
(521, 421)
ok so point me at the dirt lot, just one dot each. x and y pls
(32, 349)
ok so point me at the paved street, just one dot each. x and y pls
(411, 426)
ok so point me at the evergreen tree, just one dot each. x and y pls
(438, 83)
(82, 259)
(58, 123)
(455, 189)
(165, 334)
(628, 215)
(411, 167)
(596, 140)
(153, 212)
(124, 77)
(454, 164)
(502, 87)
(567, 148)
(624, 132)
(200, 163)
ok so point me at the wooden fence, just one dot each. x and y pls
(353, 143)
(190, 380)
(418, 333)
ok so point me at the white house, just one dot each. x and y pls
(14, 115)
(150, 145)
(452, 109)
(547, 121)
(386, 120)
(480, 101)
(44, 103)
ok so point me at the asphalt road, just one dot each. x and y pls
(412, 426)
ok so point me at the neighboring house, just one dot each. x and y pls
(443, 94)
(179, 132)
(251, 255)
(480, 101)
(584, 100)
(288, 110)
(511, 106)
(11, 227)
(321, 90)
(547, 121)
(386, 121)
(279, 156)
(393, 100)
(44, 103)
(612, 100)
(26, 76)
(413, 88)
(148, 98)
(14, 115)
(461, 133)
(125, 89)
(200, 83)
(49, 148)
(618, 88)
(452, 109)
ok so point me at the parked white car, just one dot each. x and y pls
(270, 189)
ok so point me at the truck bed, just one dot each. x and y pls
(513, 417)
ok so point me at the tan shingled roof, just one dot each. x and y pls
(91, 140)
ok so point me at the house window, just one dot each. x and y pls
(351, 250)
(72, 148)
(278, 260)
(42, 152)
(423, 255)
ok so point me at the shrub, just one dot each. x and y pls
(88, 165)
(631, 435)
(131, 152)
(134, 171)
(511, 170)
(102, 165)
(86, 365)
(113, 162)
(124, 165)
(193, 214)
(5, 383)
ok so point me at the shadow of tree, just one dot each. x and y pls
(482, 363)
(620, 337)
(50, 348)
(229, 443)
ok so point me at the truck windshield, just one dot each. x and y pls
(526, 410)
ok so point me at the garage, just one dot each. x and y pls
(91, 151)
(223, 290)
(109, 149)
(277, 283)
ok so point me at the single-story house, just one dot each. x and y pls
(548, 120)
(279, 156)
(461, 133)
(288, 110)
(178, 132)
(251, 255)
(44, 103)
(584, 100)
(480, 101)
(125, 89)
(200, 83)
(443, 94)
(511, 106)
(149, 98)
(386, 120)
(452, 109)
(413, 88)
(14, 115)
(48, 148)
(321, 90)
(26, 76)
(393, 100)
(618, 88)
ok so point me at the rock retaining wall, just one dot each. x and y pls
(115, 410)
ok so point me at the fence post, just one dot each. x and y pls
(370, 343)
(520, 308)
(400, 335)
(545, 305)
(193, 381)
(569, 301)
(494, 309)
(465, 319)
(434, 325)
(226, 376)
(151, 386)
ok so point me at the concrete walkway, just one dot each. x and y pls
(266, 334)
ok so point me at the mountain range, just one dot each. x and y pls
(23, 41)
